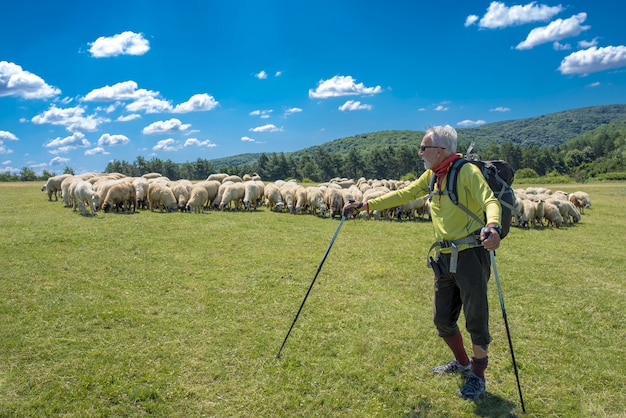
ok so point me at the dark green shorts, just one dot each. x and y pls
(466, 289)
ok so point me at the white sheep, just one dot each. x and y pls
(217, 176)
(53, 186)
(315, 201)
(552, 215)
(85, 194)
(161, 197)
(181, 190)
(233, 193)
(288, 194)
(273, 198)
(301, 199)
(334, 201)
(215, 203)
(198, 199)
(141, 191)
(539, 211)
(121, 196)
(580, 200)
(528, 214)
(212, 187)
(253, 193)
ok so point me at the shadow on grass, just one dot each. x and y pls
(487, 406)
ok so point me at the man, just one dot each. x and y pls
(461, 264)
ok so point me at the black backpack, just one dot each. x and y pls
(499, 175)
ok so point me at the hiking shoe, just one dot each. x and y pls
(452, 367)
(473, 389)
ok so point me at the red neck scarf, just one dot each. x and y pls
(443, 168)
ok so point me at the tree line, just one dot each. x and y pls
(582, 158)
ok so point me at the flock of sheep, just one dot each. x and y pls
(92, 192)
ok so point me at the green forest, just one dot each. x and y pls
(581, 144)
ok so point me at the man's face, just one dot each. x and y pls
(431, 154)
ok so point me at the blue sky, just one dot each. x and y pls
(83, 83)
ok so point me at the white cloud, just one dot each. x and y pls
(247, 139)
(67, 144)
(196, 142)
(441, 108)
(96, 150)
(197, 103)
(7, 136)
(166, 145)
(263, 114)
(126, 90)
(594, 84)
(166, 127)
(561, 47)
(555, 31)
(500, 16)
(500, 109)
(278, 73)
(292, 110)
(111, 140)
(352, 105)
(128, 118)
(593, 60)
(270, 127)
(470, 20)
(58, 161)
(5, 150)
(14, 81)
(341, 86)
(588, 44)
(125, 43)
(261, 75)
(72, 118)
(148, 101)
(468, 122)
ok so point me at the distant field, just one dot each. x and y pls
(181, 315)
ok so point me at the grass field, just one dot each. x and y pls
(182, 315)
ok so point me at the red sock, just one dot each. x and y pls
(479, 365)
(458, 349)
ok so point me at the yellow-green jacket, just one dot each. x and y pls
(449, 222)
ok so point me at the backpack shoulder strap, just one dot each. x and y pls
(452, 188)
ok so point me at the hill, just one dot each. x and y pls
(544, 131)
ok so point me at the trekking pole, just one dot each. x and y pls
(506, 324)
(343, 217)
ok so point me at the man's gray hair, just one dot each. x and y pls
(443, 136)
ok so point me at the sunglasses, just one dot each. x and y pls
(424, 147)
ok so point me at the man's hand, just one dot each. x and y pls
(351, 205)
(490, 238)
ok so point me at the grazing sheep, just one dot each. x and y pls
(65, 191)
(215, 203)
(121, 196)
(212, 187)
(273, 199)
(149, 176)
(161, 197)
(528, 214)
(334, 201)
(539, 211)
(288, 194)
(301, 199)
(233, 193)
(84, 194)
(53, 186)
(253, 193)
(217, 176)
(580, 200)
(315, 201)
(181, 190)
(141, 191)
(198, 199)
(552, 215)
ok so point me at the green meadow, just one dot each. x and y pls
(182, 315)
